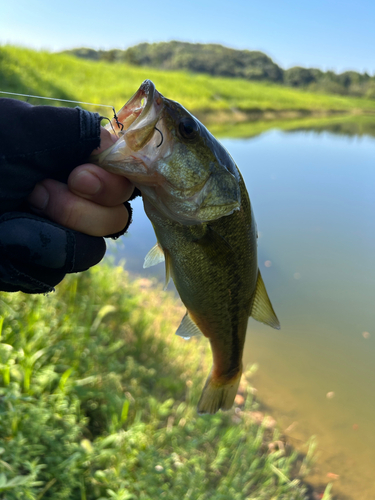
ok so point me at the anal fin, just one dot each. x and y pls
(188, 328)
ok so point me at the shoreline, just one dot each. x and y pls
(234, 116)
(342, 123)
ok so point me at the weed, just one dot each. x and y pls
(98, 401)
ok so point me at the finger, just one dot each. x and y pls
(93, 183)
(106, 140)
(54, 200)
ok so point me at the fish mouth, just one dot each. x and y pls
(136, 120)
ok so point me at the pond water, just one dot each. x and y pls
(314, 201)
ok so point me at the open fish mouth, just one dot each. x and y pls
(137, 106)
(136, 120)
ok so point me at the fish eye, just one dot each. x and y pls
(188, 128)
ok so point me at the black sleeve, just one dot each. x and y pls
(36, 143)
(40, 142)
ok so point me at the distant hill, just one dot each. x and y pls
(217, 60)
(213, 59)
(216, 101)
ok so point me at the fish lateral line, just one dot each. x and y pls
(221, 237)
(210, 236)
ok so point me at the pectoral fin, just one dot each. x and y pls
(188, 328)
(262, 309)
(154, 256)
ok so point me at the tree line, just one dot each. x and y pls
(218, 60)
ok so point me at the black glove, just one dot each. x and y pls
(35, 253)
(39, 142)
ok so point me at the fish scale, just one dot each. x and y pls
(215, 276)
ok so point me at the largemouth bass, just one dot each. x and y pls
(198, 204)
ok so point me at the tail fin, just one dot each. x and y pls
(218, 396)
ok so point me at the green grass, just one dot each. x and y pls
(98, 401)
(66, 77)
(349, 125)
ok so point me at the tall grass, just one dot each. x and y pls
(66, 77)
(98, 401)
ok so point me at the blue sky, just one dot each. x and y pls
(328, 34)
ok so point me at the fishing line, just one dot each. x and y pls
(110, 122)
(119, 124)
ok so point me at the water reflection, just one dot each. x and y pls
(348, 125)
(313, 197)
(354, 126)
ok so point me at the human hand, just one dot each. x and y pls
(36, 251)
(92, 202)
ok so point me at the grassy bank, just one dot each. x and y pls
(98, 398)
(348, 125)
(212, 99)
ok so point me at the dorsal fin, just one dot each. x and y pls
(188, 328)
(262, 309)
(154, 256)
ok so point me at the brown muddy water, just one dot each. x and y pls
(314, 201)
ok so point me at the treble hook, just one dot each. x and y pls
(162, 138)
